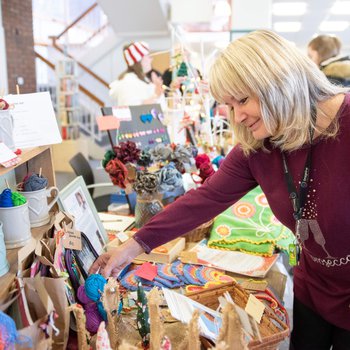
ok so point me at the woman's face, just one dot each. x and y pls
(146, 63)
(247, 112)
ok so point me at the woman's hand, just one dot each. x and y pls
(111, 263)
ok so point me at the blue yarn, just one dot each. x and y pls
(94, 286)
(6, 198)
(217, 161)
(34, 183)
(8, 331)
(101, 310)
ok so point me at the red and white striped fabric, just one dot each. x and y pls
(135, 52)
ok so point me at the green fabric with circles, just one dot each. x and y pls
(250, 226)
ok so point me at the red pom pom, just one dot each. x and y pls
(201, 159)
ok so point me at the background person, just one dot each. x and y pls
(292, 125)
(132, 86)
(324, 50)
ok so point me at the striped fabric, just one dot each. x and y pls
(135, 52)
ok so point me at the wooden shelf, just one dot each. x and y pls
(31, 160)
(26, 155)
(12, 257)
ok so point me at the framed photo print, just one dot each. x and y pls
(76, 200)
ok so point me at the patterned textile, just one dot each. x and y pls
(250, 226)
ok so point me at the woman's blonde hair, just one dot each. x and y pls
(286, 82)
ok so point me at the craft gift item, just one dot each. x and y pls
(14, 215)
(142, 318)
(231, 330)
(6, 126)
(204, 166)
(192, 342)
(156, 324)
(148, 201)
(111, 302)
(175, 275)
(250, 226)
(102, 340)
(93, 317)
(4, 265)
(83, 335)
(34, 189)
(94, 286)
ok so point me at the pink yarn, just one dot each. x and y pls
(93, 317)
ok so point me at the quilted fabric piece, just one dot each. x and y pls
(250, 226)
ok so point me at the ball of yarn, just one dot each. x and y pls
(8, 331)
(34, 182)
(18, 199)
(93, 318)
(94, 286)
(202, 159)
(217, 161)
(82, 297)
(101, 310)
(6, 198)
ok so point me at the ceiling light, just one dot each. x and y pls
(333, 26)
(289, 8)
(340, 8)
(287, 26)
(222, 9)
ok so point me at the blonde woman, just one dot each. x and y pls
(293, 129)
(133, 87)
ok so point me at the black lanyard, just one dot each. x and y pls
(298, 199)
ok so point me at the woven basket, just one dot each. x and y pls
(272, 330)
(199, 232)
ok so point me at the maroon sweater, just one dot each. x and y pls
(322, 278)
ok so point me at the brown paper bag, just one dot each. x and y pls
(57, 290)
(32, 307)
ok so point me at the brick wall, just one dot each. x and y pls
(17, 20)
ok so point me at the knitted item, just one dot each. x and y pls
(143, 325)
(18, 199)
(250, 226)
(6, 198)
(34, 182)
(135, 52)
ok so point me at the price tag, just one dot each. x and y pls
(147, 271)
(255, 308)
(72, 239)
(187, 257)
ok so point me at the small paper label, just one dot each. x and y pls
(255, 308)
(293, 254)
(7, 157)
(254, 285)
(147, 271)
(123, 237)
(189, 257)
(72, 239)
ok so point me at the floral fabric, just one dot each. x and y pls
(250, 226)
